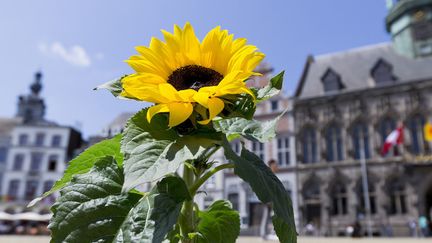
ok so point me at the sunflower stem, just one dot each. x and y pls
(187, 217)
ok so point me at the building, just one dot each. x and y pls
(6, 126)
(345, 105)
(38, 153)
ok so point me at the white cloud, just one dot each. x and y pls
(75, 55)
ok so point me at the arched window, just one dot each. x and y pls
(339, 199)
(361, 209)
(415, 125)
(334, 143)
(386, 126)
(360, 136)
(397, 197)
(309, 146)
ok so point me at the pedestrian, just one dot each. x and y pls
(412, 225)
(424, 226)
(357, 232)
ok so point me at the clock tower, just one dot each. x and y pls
(410, 24)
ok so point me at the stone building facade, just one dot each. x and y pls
(345, 105)
(37, 153)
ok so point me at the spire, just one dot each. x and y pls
(36, 86)
(31, 107)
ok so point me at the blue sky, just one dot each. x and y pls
(80, 44)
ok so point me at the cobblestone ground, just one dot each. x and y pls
(43, 239)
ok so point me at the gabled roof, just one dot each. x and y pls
(354, 67)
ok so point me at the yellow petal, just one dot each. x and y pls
(215, 106)
(179, 112)
(202, 98)
(155, 110)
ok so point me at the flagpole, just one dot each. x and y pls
(365, 187)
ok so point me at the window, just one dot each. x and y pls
(386, 126)
(397, 197)
(3, 154)
(258, 149)
(31, 189)
(361, 140)
(283, 151)
(372, 198)
(18, 162)
(415, 125)
(382, 72)
(208, 200)
(236, 146)
(274, 105)
(23, 139)
(13, 189)
(309, 146)
(40, 138)
(339, 199)
(234, 199)
(36, 161)
(47, 185)
(52, 162)
(287, 187)
(334, 143)
(332, 81)
(56, 141)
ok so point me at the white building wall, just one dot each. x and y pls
(46, 149)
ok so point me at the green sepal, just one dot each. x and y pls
(271, 89)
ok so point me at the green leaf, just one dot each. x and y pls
(156, 214)
(218, 224)
(250, 129)
(91, 207)
(85, 161)
(266, 185)
(153, 151)
(284, 232)
(272, 89)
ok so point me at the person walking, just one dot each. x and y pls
(424, 226)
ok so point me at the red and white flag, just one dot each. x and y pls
(394, 138)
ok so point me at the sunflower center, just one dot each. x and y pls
(194, 77)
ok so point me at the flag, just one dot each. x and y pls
(394, 138)
(427, 130)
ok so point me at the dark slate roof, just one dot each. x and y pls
(354, 67)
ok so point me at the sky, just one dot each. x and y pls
(80, 44)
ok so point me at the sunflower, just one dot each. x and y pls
(182, 74)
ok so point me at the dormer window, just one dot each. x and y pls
(382, 72)
(332, 81)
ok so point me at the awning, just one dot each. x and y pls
(29, 216)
